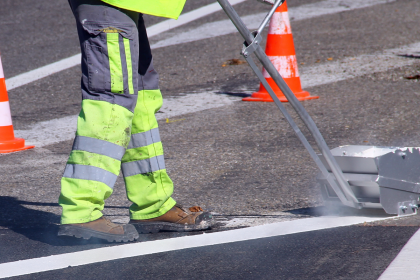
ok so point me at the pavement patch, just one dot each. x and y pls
(146, 248)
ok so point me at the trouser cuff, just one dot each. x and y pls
(163, 209)
(91, 218)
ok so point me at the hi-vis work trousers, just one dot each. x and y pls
(116, 127)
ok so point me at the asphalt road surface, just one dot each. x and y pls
(239, 160)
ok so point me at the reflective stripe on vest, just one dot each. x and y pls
(87, 172)
(143, 166)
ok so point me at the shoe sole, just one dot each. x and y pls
(154, 227)
(85, 233)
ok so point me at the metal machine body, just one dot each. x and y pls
(380, 177)
(373, 188)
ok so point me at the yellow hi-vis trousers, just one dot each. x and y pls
(116, 128)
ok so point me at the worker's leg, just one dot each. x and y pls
(148, 185)
(109, 44)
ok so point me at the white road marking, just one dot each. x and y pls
(42, 72)
(224, 27)
(250, 221)
(63, 129)
(404, 266)
(357, 66)
(69, 62)
(186, 18)
(55, 262)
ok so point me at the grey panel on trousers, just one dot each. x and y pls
(92, 145)
(143, 166)
(150, 80)
(144, 138)
(96, 72)
(93, 17)
(87, 172)
(127, 101)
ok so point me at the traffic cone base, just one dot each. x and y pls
(8, 142)
(265, 97)
(293, 83)
(15, 145)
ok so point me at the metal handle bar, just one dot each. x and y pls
(269, 15)
(268, 2)
(349, 198)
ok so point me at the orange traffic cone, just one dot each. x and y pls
(281, 51)
(8, 142)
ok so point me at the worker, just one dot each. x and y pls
(117, 129)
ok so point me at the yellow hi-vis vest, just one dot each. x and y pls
(160, 8)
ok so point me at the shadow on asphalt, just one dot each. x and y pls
(236, 94)
(43, 226)
(338, 210)
(34, 224)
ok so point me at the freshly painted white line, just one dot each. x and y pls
(224, 27)
(54, 131)
(30, 266)
(63, 129)
(5, 116)
(404, 266)
(69, 62)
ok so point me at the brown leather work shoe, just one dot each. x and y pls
(101, 228)
(176, 219)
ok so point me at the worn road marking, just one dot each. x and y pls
(224, 27)
(351, 67)
(205, 31)
(186, 18)
(404, 265)
(69, 62)
(63, 129)
(42, 72)
(55, 262)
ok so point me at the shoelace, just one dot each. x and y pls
(191, 209)
(196, 209)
